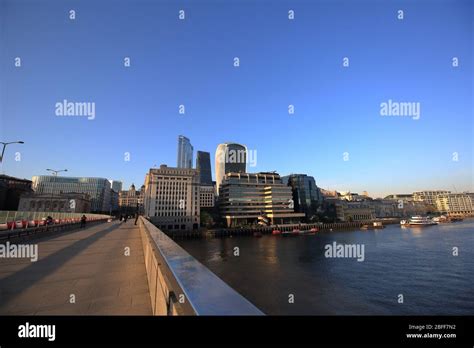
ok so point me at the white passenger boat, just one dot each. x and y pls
(418, 221)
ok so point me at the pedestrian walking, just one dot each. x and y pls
(83, 221)
(136, 218)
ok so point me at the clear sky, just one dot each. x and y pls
(282, 62)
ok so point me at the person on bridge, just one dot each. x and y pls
(49, 220)
(136, 218)
(125, 218)
(83, 221)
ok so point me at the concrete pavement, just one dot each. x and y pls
(89, 266)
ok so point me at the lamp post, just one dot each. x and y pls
(55, 174)
(5, 145)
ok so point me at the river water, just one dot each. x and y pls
(292, 275)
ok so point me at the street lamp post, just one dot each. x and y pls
(55, 174)
(5, 145)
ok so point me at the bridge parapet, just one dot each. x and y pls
(181, 285)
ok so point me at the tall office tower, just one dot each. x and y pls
(172, 198)
(230, 158)
(98, 189)
(185, 153)
(203, 164)
(116, 185)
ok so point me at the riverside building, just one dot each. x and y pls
(455, 204)
(428, 197)
(256, 198)
(354, 211)
(307, 196)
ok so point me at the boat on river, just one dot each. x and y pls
(418, 221)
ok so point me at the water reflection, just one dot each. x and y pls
(415, 262)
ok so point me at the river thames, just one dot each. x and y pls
(417, 263)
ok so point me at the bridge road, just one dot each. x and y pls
(90, 264)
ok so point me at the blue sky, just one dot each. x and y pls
(282, 62)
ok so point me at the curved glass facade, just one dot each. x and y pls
(230, 158)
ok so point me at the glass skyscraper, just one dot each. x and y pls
(185, 153)
(116, 185)
(203, 164)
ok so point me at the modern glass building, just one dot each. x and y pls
(98, 189)
(306, 195)
(185, 153)
(230, 158)
(203, 164)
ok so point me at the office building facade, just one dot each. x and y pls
(203, 164)
(57, 203)
(131, 201)
(207, 196)
(172, 198)
(428, 197)
(455, 204)
(354, 211)
(98, 189)
(256, 198)
(307, 196)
